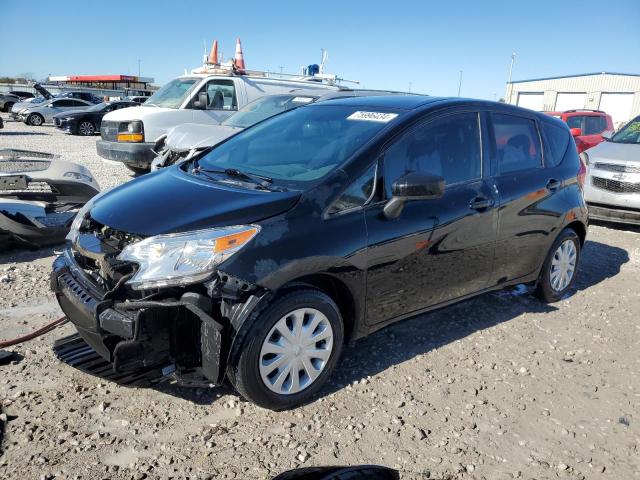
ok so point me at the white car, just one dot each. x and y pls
(612, 190)
(130, 136)
(41, 113)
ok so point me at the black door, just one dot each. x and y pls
(530, 196)
(436, 250)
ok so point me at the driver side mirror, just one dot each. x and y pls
(413, 186)
(202, 102)
(576, 132)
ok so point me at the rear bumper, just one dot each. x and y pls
(613, 214)
(135, 154)
(142, 334)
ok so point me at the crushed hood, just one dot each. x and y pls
(187, 136)
(171, 200)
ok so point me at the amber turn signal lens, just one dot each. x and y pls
(130, 137)
(234, 240)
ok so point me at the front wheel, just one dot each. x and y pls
(290, 350)
(559, 270)
(35, 120)
(86, 128)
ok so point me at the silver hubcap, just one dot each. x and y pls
(296, 351)
(563, 265)
(36, 120)
(86, 128)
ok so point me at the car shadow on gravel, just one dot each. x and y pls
(13, 134)
(405, 340)
(20, 254)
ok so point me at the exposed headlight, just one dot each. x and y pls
(183, 258)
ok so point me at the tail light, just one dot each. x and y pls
(580, 145)
(582, 172)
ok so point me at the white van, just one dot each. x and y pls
(129, 135)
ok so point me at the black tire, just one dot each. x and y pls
(138, 170)
(8, 106)
(35, 120)
(243, 369)
(544, 288)
(86, 128)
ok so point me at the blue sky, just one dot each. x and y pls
(387, 45)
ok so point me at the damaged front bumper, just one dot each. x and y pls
(171, 333)
(39, 196)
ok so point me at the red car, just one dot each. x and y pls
(587, 126)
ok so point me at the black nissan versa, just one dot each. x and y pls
(259, 258)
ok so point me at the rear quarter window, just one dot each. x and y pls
(557, 141)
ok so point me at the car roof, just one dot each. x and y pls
(401, 102)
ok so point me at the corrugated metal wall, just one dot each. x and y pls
(592, 85)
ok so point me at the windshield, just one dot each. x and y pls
(265, 107)
(97, 108)
(172, 94)
(301, 145)
(630, 133)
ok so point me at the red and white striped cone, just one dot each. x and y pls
(238, 60)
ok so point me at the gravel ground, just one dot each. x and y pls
(497, 387)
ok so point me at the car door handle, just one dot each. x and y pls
(553, 185)
(481, 203)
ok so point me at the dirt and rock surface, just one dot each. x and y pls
(497, 387)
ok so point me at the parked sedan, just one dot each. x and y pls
(612, 190)
(87, 122)
(8, 99)
(36, 115)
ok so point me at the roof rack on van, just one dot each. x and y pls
(583, 110)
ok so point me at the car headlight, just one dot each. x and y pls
(131, 132)
(72, 236)
(183, 258)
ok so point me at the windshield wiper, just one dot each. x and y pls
(260, 180)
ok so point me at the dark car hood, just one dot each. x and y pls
(171, 200)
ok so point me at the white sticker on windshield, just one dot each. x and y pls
(373, 116)
(302, 99)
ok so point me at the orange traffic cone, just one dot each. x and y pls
(238, 60)
(213, 55)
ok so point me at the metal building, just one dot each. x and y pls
(617, 94)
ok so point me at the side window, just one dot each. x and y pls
(557, 141)
(76, 103)
(357, 194)
(594, 125)
(575, 121)
(516, 143)
(61, 103)
(448, 146)
(221, 94)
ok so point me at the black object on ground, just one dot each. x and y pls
(6, 357)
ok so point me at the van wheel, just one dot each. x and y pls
(290, 350)
(138, 170)
(35, 120)
(560, 267)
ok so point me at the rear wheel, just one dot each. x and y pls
(289, 351)
(86, 128)
(559, 270)
(35, 120)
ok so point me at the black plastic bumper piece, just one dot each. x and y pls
(136, 335)
(134, 154)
